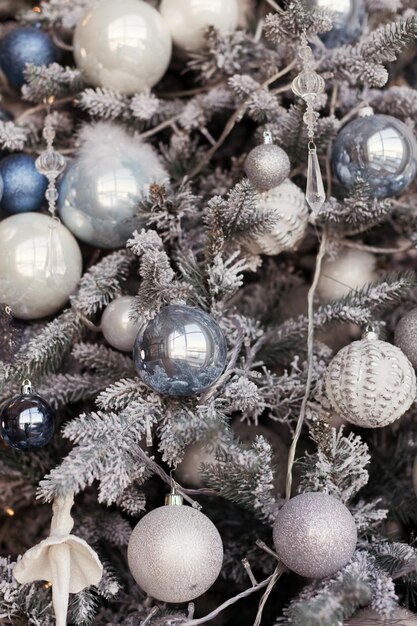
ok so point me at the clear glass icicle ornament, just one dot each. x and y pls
(308, 85)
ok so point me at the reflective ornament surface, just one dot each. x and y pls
(175, 553)
(123, 45)
(24, 188)
(314, 535)
(27, 422)
(348, 19)
(40, 265)
(350, 270)
(117, 327)
(267, 166)
(25, 44)
(188, 19)
(406, 336)
(368, 617)
(370, 382)
(181, 352)
(379, 150)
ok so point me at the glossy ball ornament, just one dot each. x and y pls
(406, 336)
(350, 270)
(287, 204)
(348, 18)
(370, 382)
(22, 45)
(24, 188)
(267, 166)
(181, 352)
(101, 189)
(368, 617)
(117, 327)
(123, 45)
(175, 553)
(27, 422)
(187, 20)
(314, 535)
(40, 265)
(379, 150)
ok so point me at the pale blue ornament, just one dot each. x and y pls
(23, 187)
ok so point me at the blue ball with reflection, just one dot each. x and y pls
(27, 422)
(181, 352)
(24, 188)
(25, 44)
(379, 150)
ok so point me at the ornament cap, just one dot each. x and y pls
(370, 333)
(267, 137)
(366, 112)
(27, 387)
(173, 498)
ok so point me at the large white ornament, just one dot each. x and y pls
(287, 204)
(188, 19)
(175, 553)
(117, 327)
(370, 382)
(351, 269)
(123, 45)
(40, 265)
(369, 617)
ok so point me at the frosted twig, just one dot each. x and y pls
(361, 246)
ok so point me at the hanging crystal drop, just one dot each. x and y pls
(315, 195)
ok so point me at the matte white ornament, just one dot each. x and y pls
(188, 19)
(62, 559)
(287, 204)
(368, 617)
(117, 327)
(123, 45)
(175, 553)
(351, 269)
(40, 264)
(370, 382)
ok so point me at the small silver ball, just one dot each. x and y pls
(175, 553)
(267, 166)
(406, 336)
(315, 535)
(117, 327)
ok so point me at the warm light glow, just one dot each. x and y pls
(9, 511)
(37, 10)
(47, 585)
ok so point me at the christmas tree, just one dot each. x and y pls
(207, 298)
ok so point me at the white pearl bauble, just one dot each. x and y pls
(40, 265)
(175, 553)
(117, 327)
(351, 269)
(369, 617)
(188, 19)
(123, 45)
(370, 382)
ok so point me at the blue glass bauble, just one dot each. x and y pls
(5, 115)
(27, 422)
(24, 188)
(181, 352)
(348, 18)
(23, 45)
(378, 150)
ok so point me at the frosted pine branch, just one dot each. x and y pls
(12, 136)
(44, 81)
(103, 103)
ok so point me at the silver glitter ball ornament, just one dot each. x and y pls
(267, 166)
(368, 617)
(378, 150)
(175, 553)
(181, 352)
(347, 17)
(370, 382)
(314, 535)
(406, 336)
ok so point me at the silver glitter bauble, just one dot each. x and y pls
(370, 382)
(40, 265)
(287, 204)
(117, 327)
(378, 150)
(267, 166)
(368, 617)
(347, 17)
(181, 352)
(406, 336)
(175, 553)
(314, 535)
(350, 270)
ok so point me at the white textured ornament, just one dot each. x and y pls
(351, 269)
(315, 535)
(368, 617)
(117, 327)
(64, 560)
(40, 265)
(287, 204)
(370, 382)
(406, 336)
(188, 19)
(123, 45)
(175, 553)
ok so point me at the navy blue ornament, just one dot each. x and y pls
(27, 422)
(378, 150)
(348, 17)
(181, 352)
(5, 115)
(24, 188)
(22, 45)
